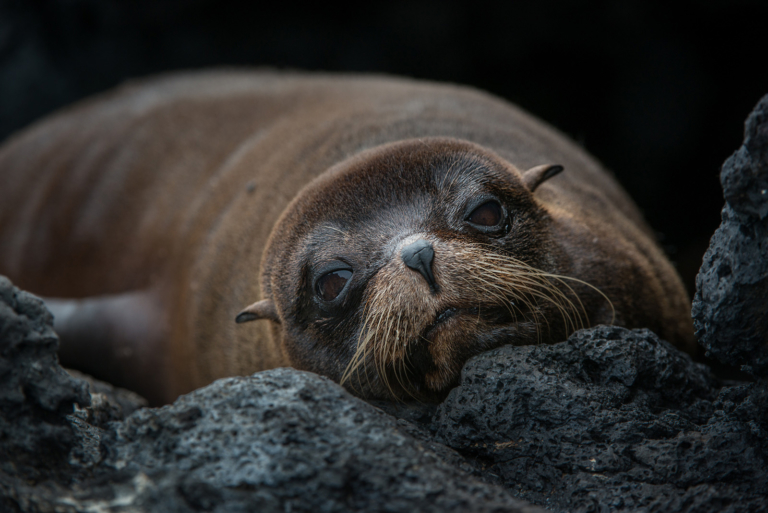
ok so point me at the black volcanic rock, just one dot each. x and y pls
(280, 440)
(35, 393)
(288, 440)
(611, 420)
(730, 308)
(108, 403)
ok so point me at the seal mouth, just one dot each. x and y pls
(432, 363)
(445, 315)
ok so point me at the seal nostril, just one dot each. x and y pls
(418, 256)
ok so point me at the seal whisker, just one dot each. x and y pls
(383, 320)
(363, 342)
(508, 260)
(556, 298)
(397, 367)
(379, 343)
(502, 296)
(506, 296)
(512, 274)
(384, 347)
(562, 279)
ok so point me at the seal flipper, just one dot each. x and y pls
(117, 338)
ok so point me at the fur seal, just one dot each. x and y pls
(384, 230)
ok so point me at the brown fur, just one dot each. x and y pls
(169, 191)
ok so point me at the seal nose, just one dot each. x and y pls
(418, 256)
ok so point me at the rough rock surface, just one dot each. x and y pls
(281, 440)
(288, 440)
(730, 309)
(35, 393)
(611, 420)
(108, 403)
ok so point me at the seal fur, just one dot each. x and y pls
(157, 211)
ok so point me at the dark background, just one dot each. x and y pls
(657, 90)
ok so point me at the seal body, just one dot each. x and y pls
(386, 229)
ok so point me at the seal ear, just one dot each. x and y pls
(540, 174)
(264, 309)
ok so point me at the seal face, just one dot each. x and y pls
(446, 254)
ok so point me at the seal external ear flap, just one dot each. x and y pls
(264, 309)
(540, 174)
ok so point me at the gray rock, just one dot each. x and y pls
(108, 403)
(611, 420)
(287, 440)
(35, 393)
(281, 440)
(729, 309)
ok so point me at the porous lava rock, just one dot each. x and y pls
(288, 440)
(36, 394)
(610, 420)
(50, 425)
(281, 440)
(108, 403)
(730, 308)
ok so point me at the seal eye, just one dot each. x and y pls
(488, 214)
(330, 285)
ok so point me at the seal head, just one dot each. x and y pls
(396, 266)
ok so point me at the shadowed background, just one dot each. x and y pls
(658, 91)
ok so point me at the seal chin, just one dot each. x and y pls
(455, 335)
